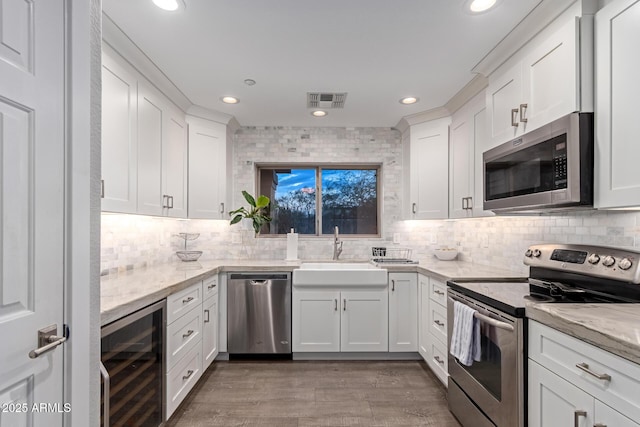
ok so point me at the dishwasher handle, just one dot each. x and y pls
(260, 277)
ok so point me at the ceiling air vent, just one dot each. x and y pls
(326, 100)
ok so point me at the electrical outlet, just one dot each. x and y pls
(396, 238)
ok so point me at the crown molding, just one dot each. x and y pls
(115, 38)
(477, 84)
(213, 116)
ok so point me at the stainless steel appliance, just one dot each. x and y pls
(259, 313)
(492, 392)
(133, 368)
(548, 168)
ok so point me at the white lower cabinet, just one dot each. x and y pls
(336, 320)
(423, 317)
(433, 325)
(403, 312)
(571, 382)
(191, 338)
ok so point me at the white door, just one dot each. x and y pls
(32, 207)
(364, 324)
(460, 168)
(504, 95)
(424, 338)
(209, 330)
(553, 401)
(150, 137)
(403, 312)
(316, 321)
(175, 158)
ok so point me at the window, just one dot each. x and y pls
(314, 199)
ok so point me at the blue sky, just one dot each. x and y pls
(297, 179)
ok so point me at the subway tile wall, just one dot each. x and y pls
(134, 241)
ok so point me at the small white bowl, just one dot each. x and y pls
(446, 254)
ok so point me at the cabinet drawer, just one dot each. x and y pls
(183, 335)
(438, 292)
(210, 287)
(438, 361)
(561, 353)
(438, 322)
(182, 378)
(183, 301)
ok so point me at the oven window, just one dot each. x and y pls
(541, 167)
(488, 371)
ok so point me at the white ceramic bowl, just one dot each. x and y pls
(446, 254)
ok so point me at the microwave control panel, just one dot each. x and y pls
(560, 165)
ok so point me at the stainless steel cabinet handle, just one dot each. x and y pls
(469, 203)
(221, 208)
(523, 107)
(189, 373)
(345, 304)
(393, 285)
(413, 208)
(576, 416)
(188, 334)
(439, 292)
(514, 113)
(207, 319)
(165, 201)
(439, 323)
(170, 202)
(599, 425)
(187, 300)
(102, 188)
(464, 199)
(585, 367)
(211, 286)
(106, 389)
(437, 359)
(336, 306)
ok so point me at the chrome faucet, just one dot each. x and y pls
(337, 244)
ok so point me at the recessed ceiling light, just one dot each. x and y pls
(319, 113)
(249, 82)
(229, 100)
(170, 5)
(408, 100)
(479, 6)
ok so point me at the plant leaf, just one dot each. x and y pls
(262, 202)
(249, 198)
(236, 219)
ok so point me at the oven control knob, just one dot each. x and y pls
(537, 253)
(625, 264)
(593, 259)
(608, 261)
(528, 253)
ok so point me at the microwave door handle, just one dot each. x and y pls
(489, 320)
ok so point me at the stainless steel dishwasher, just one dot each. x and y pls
(259, 313)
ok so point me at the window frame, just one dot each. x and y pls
(318, 172)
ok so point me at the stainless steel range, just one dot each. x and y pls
(491, 392)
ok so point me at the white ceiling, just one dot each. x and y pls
(376, 50)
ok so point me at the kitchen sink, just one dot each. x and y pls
(339, 274)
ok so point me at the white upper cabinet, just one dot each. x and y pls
(144, 144)
(617, 177)
(426, 152)
(119, 137)
(207, 169)
(549, 77)
(467, 142)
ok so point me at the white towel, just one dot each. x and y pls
(465, 337)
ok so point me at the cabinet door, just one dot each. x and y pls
(150, 137)
(209, 330)
(460, 166)
(175, 164)
(617, 177)
(607, 416)
(424, 337)
(364, 324)
(481, 144)
(554, 401)
(119, 137)
(550, 78)
(316, 321)
(504, 94)
(403, 312)
(429, 190)
(207, 171)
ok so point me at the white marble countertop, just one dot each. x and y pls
(124, 293)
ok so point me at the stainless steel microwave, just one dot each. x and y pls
(548, 168)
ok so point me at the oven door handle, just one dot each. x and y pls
(493, 322)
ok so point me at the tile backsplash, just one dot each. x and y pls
(134, 241)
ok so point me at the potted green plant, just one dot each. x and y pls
(256, 212)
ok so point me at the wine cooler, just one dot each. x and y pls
(132, 356)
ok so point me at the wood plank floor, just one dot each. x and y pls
(296, 393)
